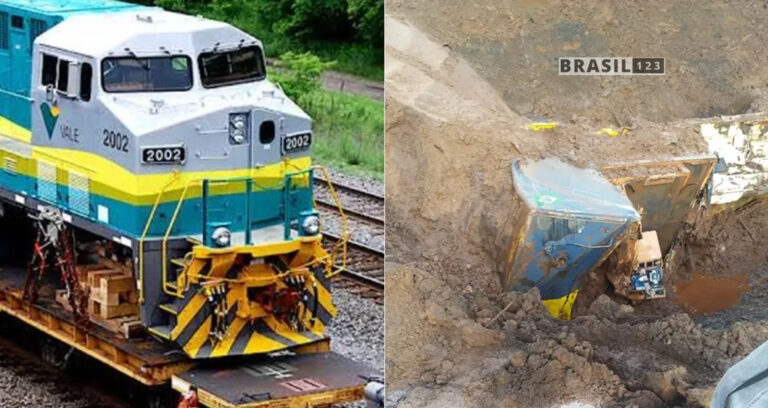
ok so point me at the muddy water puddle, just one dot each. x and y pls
(706, 294)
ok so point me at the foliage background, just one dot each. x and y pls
(350, 32)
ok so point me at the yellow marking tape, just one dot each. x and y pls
(537, 126)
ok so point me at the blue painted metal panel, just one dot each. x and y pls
(571, 220)
(33, 17)
(266, 208)
(67, 7)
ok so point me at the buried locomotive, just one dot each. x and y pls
(151, 168)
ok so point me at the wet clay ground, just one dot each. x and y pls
(706, 294)
(464, 81)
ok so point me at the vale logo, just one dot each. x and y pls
(50, 117)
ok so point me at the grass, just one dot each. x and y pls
(351, 58)
(349, 131)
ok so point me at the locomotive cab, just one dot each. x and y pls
(166, 93)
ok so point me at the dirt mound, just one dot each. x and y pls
(461, 96)
(450, 143)
(727, 242)
(709, 48)
(614, 357)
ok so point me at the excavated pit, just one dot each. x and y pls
(463, 85)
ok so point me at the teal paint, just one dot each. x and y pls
(266, 209)
(571, 219)
(16, 57)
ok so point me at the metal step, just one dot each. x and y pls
(162, 331)
(171, 308)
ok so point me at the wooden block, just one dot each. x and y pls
(106, 311)
(133, 297)
(114, 265)
(94, 277)
(105, 297)
(129, 327)
(117, 283)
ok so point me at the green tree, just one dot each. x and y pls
(307, 18)
(368, 19)
(302, 73)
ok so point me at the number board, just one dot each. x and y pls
(163, 155)
(297, 143)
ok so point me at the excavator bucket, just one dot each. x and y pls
(664, 191)
(569, 221)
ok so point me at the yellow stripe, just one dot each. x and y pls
(561, 307)
(259, 343)
(325, 298)
(222, 349)
(284, 330)
(198, 339)
(187, 314)
(14, 131)
(111, 180)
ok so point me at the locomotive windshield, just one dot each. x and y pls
(151, 74)
(232, 67)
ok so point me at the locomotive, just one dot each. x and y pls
(152, 142)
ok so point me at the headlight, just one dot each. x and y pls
(238, 126)
(221, 236)
(311, 225)
(238, 136)
(238, 121)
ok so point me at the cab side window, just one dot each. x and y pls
(86, 76)
(50, 66)
(63, 82)
(55, 73)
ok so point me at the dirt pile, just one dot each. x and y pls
(712, 66)
(443, 355)
(450, 143)
(729, 242)
(464, 84)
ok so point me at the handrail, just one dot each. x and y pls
(174, 176)
(340, 249)
(343, 236)
(165, 240)
(172, 223)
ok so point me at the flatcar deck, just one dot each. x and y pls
(287, 382)
(318, 378)
(147, 361)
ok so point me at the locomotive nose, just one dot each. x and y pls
(271, 136)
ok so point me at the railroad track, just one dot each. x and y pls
(364, 274)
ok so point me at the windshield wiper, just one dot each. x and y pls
(144, 64)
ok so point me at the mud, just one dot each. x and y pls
(709, 294)
(464, 83)
(712, 67)
(615, 356)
